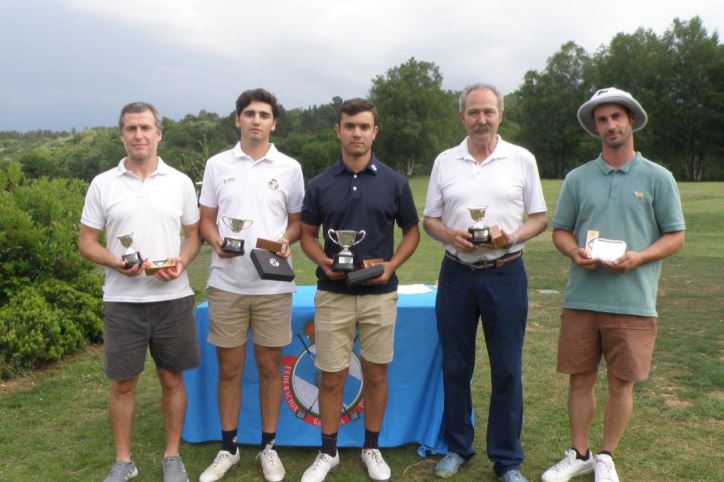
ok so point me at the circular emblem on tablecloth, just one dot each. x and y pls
(301, 378)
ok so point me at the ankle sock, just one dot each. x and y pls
(605, 452)
(267, 438)
(329, 444)
(585, 456)
(228, 440)
(371, 439)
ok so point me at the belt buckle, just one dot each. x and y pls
(500, 262)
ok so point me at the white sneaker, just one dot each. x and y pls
(271, 464)
(377, 468)
(223, 462)
(569, 466)
(604, 470)
(322, 465)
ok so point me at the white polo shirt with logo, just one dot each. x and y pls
(153, 212)
(507, 182)
(265, 191)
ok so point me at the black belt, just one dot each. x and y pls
(485, 263)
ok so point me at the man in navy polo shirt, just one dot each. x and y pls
(357, 192)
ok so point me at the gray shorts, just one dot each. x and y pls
(168, 328)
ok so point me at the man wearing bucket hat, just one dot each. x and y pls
(609, 306)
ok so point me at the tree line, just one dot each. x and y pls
(677, 76)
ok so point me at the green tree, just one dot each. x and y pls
(417, 117)
(545, 109)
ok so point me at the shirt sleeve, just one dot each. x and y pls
(533, 200)
(407, 214)
(565, 215)
(310, 207)
(190, 208)
(208, 195)
(667, 205)
(296, 192)
(433, 200)
(93, 215)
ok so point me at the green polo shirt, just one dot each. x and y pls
(636, 203)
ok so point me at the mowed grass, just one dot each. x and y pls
(53, 423)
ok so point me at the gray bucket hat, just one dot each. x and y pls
(611, 95)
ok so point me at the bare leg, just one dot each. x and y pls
(374, 389)
(268, 362)
(330, 399)
(121, 409)
(618, 411)
(581, 408)
(231, 365)
(173, 404)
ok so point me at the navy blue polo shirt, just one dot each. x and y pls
(372, 200)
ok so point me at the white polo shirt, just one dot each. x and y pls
(507, 182)
(153, 211)
(265, 191)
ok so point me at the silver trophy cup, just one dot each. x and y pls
(235, 245)
(344, 260)
(479, 232)
(131, 257)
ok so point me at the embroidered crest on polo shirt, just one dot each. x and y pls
(638, 195)
(273, 184)
(228, 179)
(373, 167)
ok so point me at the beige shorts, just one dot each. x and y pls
(337, 315)
(231, 315)
(625, 341)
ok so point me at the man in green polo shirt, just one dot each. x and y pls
(609, 307)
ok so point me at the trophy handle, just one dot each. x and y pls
(363, 233)
(227, 221)
(335, 238)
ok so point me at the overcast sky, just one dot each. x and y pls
(74, 63)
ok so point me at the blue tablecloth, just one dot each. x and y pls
(414, 407)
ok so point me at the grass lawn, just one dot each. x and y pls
(53, 422)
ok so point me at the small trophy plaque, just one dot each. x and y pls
(273, 246)
(131, 257)
(479, 232)
(159, 264)
(234, 244)
(344, 260)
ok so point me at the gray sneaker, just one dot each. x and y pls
(121, 471)
(174, 470)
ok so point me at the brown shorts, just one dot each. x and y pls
(335, 319)
(231, 315)
(626, 342)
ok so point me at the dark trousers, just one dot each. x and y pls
(500, 296)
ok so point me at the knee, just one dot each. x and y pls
(269, 369)
(170, 381)
(230, 370)
(619, 388)
(122, 388)
(331, 382)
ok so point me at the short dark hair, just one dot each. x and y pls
(355, 106)
(137, 108)
(258, 95)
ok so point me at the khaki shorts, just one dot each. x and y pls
(625, 341)
(337, 315)
(231, 315)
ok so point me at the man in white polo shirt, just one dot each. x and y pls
(145, 200)
(256, 183)
(484, 279)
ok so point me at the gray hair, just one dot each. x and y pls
(137, 108)
(480, 86)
